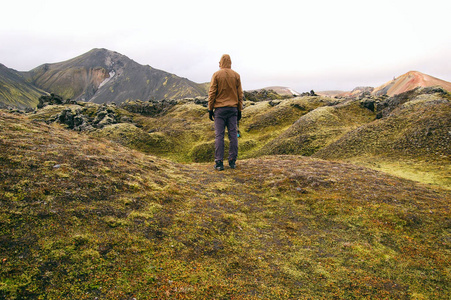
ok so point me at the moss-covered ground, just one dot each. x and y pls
(87, 218)
(407, 135)
(413, 141)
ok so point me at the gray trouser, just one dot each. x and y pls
(226, 117)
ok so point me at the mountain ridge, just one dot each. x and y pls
(410, 81)
(102, 75)
(403, 83)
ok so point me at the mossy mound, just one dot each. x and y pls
(319, 128)
(246, 145)
(80, 116)
(413, 140)
(182, 127)
(277, 114)
(204, 152)
(416, 128)
(133, 137)
(264, 95)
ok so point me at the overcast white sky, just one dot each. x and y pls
(320, 45)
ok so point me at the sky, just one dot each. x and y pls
(320, 45)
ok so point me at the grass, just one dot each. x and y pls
(425, 171)
(83, 218)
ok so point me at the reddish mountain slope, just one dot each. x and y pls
(409, 81)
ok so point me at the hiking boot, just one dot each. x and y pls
(232, 164)
(219, 166)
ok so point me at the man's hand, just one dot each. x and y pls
(239, 115)
(211, 115)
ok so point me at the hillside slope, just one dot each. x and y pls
(406, 135)
(418, 126)
(414, 134)
(410, 81)
(83, 218)
(401, 84)
(319, 128)
(15, 91)
(104, 76)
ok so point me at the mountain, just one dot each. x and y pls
(104, 76)
(410, 81)
(356, 92)
(331, 93)
(15, 91)
(401, 84)
(284, 91)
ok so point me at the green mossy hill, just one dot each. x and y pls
(16, 91)
(318, 128)
(130, 136)
(271, 115)
(179, 129)
(412, 139)
(419, 127)
(264, 121)
(83, 218)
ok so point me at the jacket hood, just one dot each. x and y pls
(225, 62)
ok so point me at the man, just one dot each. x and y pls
(225, 103)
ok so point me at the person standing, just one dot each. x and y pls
(225, 103)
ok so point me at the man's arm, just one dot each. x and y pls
(240, 95)
(212, 93)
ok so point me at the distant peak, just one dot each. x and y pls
(413, 73)
(410, 81)
(99, 50)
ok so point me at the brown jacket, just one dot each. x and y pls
(225, 87)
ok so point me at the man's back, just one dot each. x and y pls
(225, 87)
